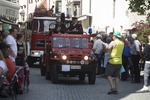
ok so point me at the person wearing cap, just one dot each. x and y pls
(113, 67)
(97, 49)
(60, 42)
(77, 42)
(76, 26)
(135, 57)
(125, 56)
(147, 65)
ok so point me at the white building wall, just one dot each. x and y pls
(134, 18)
(102, 15)
(85, 7)
(121, 17)
(9, 9)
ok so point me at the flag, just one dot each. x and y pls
(35, 11)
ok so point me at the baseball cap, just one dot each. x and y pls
(117, 34)
(134, 36)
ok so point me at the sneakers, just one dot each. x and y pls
(112, 91)
(144, 89)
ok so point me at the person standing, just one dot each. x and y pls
(146, 53)
(20, 59)
(10, 64)
(125, 56)
(97, 49)
(135, 57)
(11, 41)
(115, 61)
(76, 26)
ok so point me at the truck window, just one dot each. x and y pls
(70, 42)
(46, 25)
(41, 26)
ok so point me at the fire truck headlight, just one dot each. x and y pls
(55, 56)
(86, 57)
(35, 53)
(64, 57)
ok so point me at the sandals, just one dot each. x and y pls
(112, 91)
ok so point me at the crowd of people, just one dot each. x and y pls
(112, 52)
(117, 50)
(12, 56)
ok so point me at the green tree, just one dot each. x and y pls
(139, 6)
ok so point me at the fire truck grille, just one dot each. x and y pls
(40, 43)
(75, 57)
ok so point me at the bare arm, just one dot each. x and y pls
(110, 46)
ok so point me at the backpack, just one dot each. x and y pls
(126, 50)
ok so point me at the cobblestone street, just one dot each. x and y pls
(72, 89)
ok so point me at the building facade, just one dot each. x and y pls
(104, 15)
(9, 10)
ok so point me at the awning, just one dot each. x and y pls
(86, 20)
(7, 21)
(84, 17)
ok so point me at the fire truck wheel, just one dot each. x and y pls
(92, 77)
(54, 74)
(42, 67)
(48, 76)
(42, 70)
(81, 77)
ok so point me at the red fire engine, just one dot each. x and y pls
(67, 53)
(59, 50)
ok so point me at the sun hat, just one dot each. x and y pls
(134, 36)
(117, 34)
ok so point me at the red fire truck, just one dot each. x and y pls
(59, 50)
(40, 28)
(67, 54)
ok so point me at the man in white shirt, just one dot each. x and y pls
(97, 49)
(11, 41)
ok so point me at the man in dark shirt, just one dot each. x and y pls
(76, 26)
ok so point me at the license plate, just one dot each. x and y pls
(75, 67)
(65, 68)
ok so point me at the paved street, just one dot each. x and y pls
(72, 89)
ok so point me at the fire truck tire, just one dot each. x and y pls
(92, 77)
(54, 74)
(42, 68)
(81, 77)
(48, 76)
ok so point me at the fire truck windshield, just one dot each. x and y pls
(70, 42)
(40, 25)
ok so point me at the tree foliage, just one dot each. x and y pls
(139, 6)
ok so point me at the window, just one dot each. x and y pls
(30, 1)
(22, 17)
(58, 6)
(70, 42)
(42, 25)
